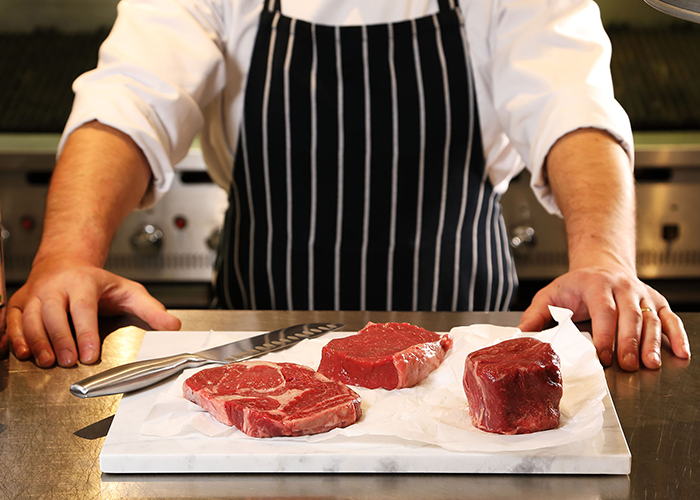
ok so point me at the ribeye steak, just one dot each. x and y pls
(387, 355)
(514, 387)
(266, 399)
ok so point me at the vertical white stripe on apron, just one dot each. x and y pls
(489, 253)
(314, 187)
(288, 161)
(467, 164)
(216, 276)
(236, 254)
(341, 163)
(512, 277)
(475, 227)
(475, 240)
(226, 245)
(500, 256)
(421, 166)
(266, 159)
(251, 209)
(368, 165)
(445, 164)
(394, 173)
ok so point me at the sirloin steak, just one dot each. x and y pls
(388, 355)
(514, 387)
(265, 399)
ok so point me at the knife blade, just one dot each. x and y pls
(133, 376)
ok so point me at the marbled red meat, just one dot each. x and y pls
(387, 355)
(514, 387)
(266, 399)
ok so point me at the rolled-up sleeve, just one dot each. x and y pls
(551, 75)
(160, 66)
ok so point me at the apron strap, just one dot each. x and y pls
(447, 5)
(274, 5)
(444, 5)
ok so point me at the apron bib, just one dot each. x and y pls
(359, 180)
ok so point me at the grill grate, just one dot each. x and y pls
(679, 258)
(656, 74)
(37, 72)
(542, 258)
(168, 261)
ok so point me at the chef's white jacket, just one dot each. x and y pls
(171, 69)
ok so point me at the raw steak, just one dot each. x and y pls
(389, 355)
(266, 399)
(514, 387)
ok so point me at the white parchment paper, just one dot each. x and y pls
(433, 412)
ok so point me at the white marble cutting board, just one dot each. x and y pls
(126, 450)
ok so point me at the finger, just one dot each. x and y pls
(651, 337)
(537, 314)
(629, 329)
(4, 343)
(603, 312)
(55, 317)
(137, 301)
(14, 329)
(83, 309)
(36, 336)
(673, 327)
(16, 335)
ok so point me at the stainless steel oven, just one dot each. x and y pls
(170, 248)
(667, 173)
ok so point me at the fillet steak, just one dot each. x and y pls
(388, 355)
(514, 387)
(265, 399)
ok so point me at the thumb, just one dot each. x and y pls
(133, 298)
(160, 319)
(152, 312)
(532, 321)
(536, 316)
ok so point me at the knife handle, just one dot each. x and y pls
(134, 376)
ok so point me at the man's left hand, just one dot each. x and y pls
(618, 305)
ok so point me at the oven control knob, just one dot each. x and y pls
(523, 236)
(213, 239)
(147, 240)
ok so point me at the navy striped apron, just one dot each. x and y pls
(359, 179)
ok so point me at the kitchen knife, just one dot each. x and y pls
(140, 374)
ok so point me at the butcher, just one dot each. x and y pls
(365, 145)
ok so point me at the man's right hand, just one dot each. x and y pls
(38, 313)
(100, 177)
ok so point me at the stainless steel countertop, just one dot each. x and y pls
(50, 441)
